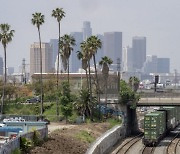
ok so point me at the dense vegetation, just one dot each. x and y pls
(84, 103)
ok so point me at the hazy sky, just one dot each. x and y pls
(158, 20)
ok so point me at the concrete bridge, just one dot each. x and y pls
(159, 101)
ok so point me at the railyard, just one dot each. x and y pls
(168, 144)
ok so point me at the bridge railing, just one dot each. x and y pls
(159, 95)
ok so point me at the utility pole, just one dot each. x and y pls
(175, 77)
(24, 71)
(119, 77)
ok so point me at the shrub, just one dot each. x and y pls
(85, 136)
(16, 151)
(113, 122)
(36, 138)
(25, 144)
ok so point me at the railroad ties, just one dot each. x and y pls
(172, 146)
(148, 150)
(130, 143)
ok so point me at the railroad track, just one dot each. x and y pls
(171, 148)
(125, 148)
(148, 150)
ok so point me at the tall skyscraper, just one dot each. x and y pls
(10, 70)
(46, 58)
(113, 45)
(100, 52)
(127, 59)
(1, 66)
(150, 66)
(139, 52)
(87, 30)
(163, 65)
(54, 44)
(75, 63)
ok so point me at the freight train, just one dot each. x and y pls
(158, 123)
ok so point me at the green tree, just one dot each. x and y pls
(58, 14)
(50, 90)
(128, 95)
(6, 35)
(66, 45)
(134, 83)
(95, 44)
(38, 20)
(105, 63)
(82, 103)
(81, 56)
(86, 56)
(65, 100)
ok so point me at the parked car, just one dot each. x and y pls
(33, 100)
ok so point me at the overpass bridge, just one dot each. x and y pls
(150, 98)
(159, 101)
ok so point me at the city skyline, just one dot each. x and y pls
(158, 24)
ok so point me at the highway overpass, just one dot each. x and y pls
(159, 101)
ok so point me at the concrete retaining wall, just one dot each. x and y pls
(43, 133)
(7, 148)
(15, 143)
(107, 140)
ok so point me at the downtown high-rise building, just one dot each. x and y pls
(151, 64)
(74, 62)
(163, 65)
(86, 30)
(100, 52)
(47, 65)
(54, 45)
(127, 59)
(112, 46)
(139, 52)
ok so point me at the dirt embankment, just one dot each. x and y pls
(70, 139)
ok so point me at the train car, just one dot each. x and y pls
(178, 114)
(171, 117)
(154, 127)
(158, 123)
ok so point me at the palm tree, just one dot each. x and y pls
(105, 63)
(58, 14)
(94, 45)
(82, 104)
(6, 36)
(86, 62)
(38, 20)
(66, 45)
(81, 57)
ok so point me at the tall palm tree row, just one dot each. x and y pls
(86, 56)
(38, 20)
(105, 63)
(66, 46)
(58, 14)
(80, 56)
(95, 44)
(6, 35)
